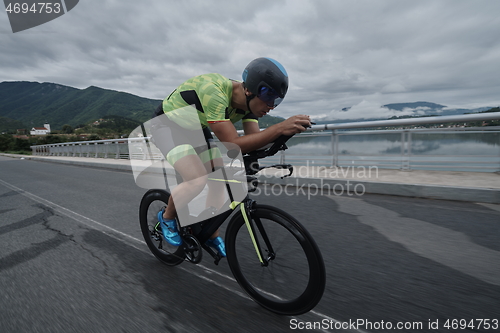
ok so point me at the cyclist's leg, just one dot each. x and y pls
(211, 157)
(216, 189)
(193, 165)
(212, 160)
(194, 178)
(190, 168)
(174, 143)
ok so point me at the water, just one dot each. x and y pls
(458, 151)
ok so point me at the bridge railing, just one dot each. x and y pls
(333, 138)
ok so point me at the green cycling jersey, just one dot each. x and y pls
(211, 95)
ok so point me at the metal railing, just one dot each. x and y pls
(402, 149)
(404, 156)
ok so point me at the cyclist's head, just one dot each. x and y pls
(267, 79)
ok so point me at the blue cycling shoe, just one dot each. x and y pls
(218, 244)
(169, 230)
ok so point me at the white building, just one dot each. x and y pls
(40, 130)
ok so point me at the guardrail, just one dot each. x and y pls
(404, 157)
(404, 149)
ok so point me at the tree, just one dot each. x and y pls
(6, 142)
(93, 137)
(20, 145)
(67, 129)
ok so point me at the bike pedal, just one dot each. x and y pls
(216, 255)
(217, 258)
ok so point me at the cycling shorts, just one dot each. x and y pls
(175, 142)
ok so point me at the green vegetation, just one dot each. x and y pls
(21, 145)
(8, 125)
(33, 104)
(69, 110)
(109, 127)
(73, 114)
(106, 127)
(488, 122)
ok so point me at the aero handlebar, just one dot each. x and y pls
(251, 158)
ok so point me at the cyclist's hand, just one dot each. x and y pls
(296, 124)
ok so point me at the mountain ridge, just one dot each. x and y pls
(413, 105)
(418, 109)
(33, 104)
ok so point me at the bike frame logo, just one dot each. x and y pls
(30, 13)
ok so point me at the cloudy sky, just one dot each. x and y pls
(338, 53)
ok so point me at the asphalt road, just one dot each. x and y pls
(72, 259)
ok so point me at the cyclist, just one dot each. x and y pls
(219, 102)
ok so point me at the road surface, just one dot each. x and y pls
(72, 259)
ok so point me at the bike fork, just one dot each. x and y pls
(246, 211)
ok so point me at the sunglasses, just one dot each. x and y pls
(269, 96)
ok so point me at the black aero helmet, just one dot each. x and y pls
(267, 79)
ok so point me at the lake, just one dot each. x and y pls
(453, 150)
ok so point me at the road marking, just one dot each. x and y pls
(113, 233)
(67, 212)
(490, 206)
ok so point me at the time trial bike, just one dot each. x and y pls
(271, 255)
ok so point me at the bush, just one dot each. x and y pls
(6, 142)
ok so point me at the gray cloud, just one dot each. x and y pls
(357, 53)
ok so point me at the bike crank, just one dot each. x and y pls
(192, 249)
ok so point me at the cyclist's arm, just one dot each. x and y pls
(250, 127)
(226, 132)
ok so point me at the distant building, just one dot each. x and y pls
(41, 130)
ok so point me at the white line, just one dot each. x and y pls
(93, 223)
(222, 286)
(67, 212)
(334, 320)
(490, 206)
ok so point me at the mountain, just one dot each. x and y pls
(415, 109)
(34, 104)
(415, 105)
(7, 124)
(428, 109)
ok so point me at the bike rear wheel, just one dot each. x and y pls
(294, 280)
(152, 202)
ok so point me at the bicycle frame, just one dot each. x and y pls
(210, 226)
(205, 229)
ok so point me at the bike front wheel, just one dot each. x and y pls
(293, 280)
(152, 202)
